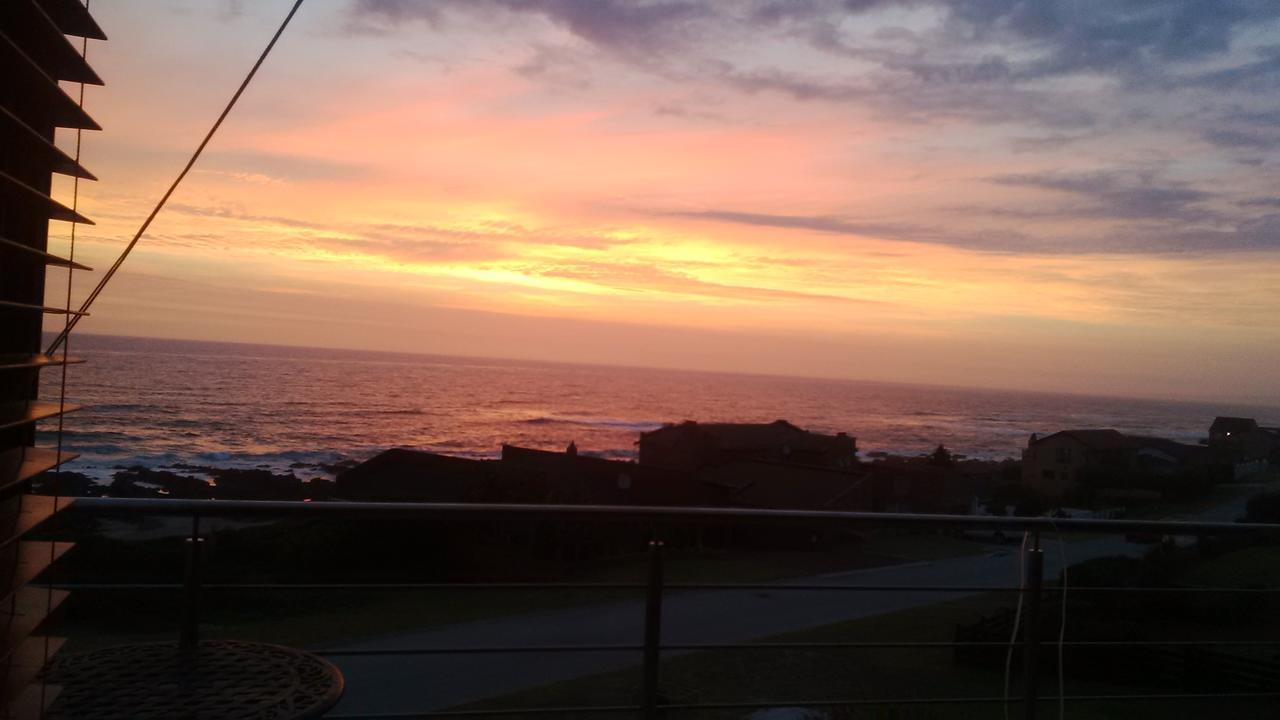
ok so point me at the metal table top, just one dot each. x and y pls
(220, 680)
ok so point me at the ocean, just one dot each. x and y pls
(161, 403)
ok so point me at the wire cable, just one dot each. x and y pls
(1017, 621)
(106, 278)
(1062, 623)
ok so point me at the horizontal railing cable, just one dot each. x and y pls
(619, 587)
(652, 649)
(774, 646)
(640, 513)
(797, 703)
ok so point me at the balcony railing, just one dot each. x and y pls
(1035, 595)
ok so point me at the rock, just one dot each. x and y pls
(125, 483)
(257, 484)
(67, 483)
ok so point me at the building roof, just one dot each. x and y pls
(401, 474)
(765, 484)
(747, 436)
(1225, 424)
(1115, 440)
(578, 478)
(1173, 448)
(1107, 439)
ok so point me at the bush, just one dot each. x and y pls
(1263, 508)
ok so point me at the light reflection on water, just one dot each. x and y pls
(158, 402)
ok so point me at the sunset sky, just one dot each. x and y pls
(1066, 196)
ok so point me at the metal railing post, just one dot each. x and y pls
(652, 633)
(1031, 630)
(190, 633)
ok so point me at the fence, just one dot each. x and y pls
(651, 703)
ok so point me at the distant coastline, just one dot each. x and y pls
(167, 403)
(259, 350)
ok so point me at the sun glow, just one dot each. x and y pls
(796, 189)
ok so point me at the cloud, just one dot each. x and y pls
(1241, 139)
(1262, 74)
(818, 223)
(988, 241)
(284, 167)
(639, 277)
(1255, 234)
(227, 212)
(1149, 220)
(918, 101)
(1126, 38)
(1268, 202)
(1154, 89)
(230, 10)
(618, 25)
(1045, 142)
(1113, 195)
(982, 61)
(493, 240)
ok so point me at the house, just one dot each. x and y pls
(1162, 457)
(918, 486)
(1056, 464)
(1242, 445)
(691, 445)
(403, 475)
(789, 486)
(572, 478)
(1051, 465)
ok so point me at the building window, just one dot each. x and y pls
(1049, 475)
(1063, 455)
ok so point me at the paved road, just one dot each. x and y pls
(403, 684)
(406, 684)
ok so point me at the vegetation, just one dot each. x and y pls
(787, 677)
(1263, 508)
(396, 551)
(942, 457)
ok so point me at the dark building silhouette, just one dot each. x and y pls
(525, 475)
(768, 484)
(691, 445)
(584, 480)
(919, 485)
(401, 475)
(1242, 445)
(1055, 464)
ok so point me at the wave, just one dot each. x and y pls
(597, 422)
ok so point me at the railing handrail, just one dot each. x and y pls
(653, 513)
(652, 705)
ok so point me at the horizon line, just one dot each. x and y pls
(736, 373)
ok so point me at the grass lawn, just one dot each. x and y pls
(686, 565)
(786, 678)
(1248, 567)
(1219, 493)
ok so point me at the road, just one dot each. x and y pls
(418, 683)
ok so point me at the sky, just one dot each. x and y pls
(1070, 196)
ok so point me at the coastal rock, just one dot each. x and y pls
(139, 481)
(67, 484)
